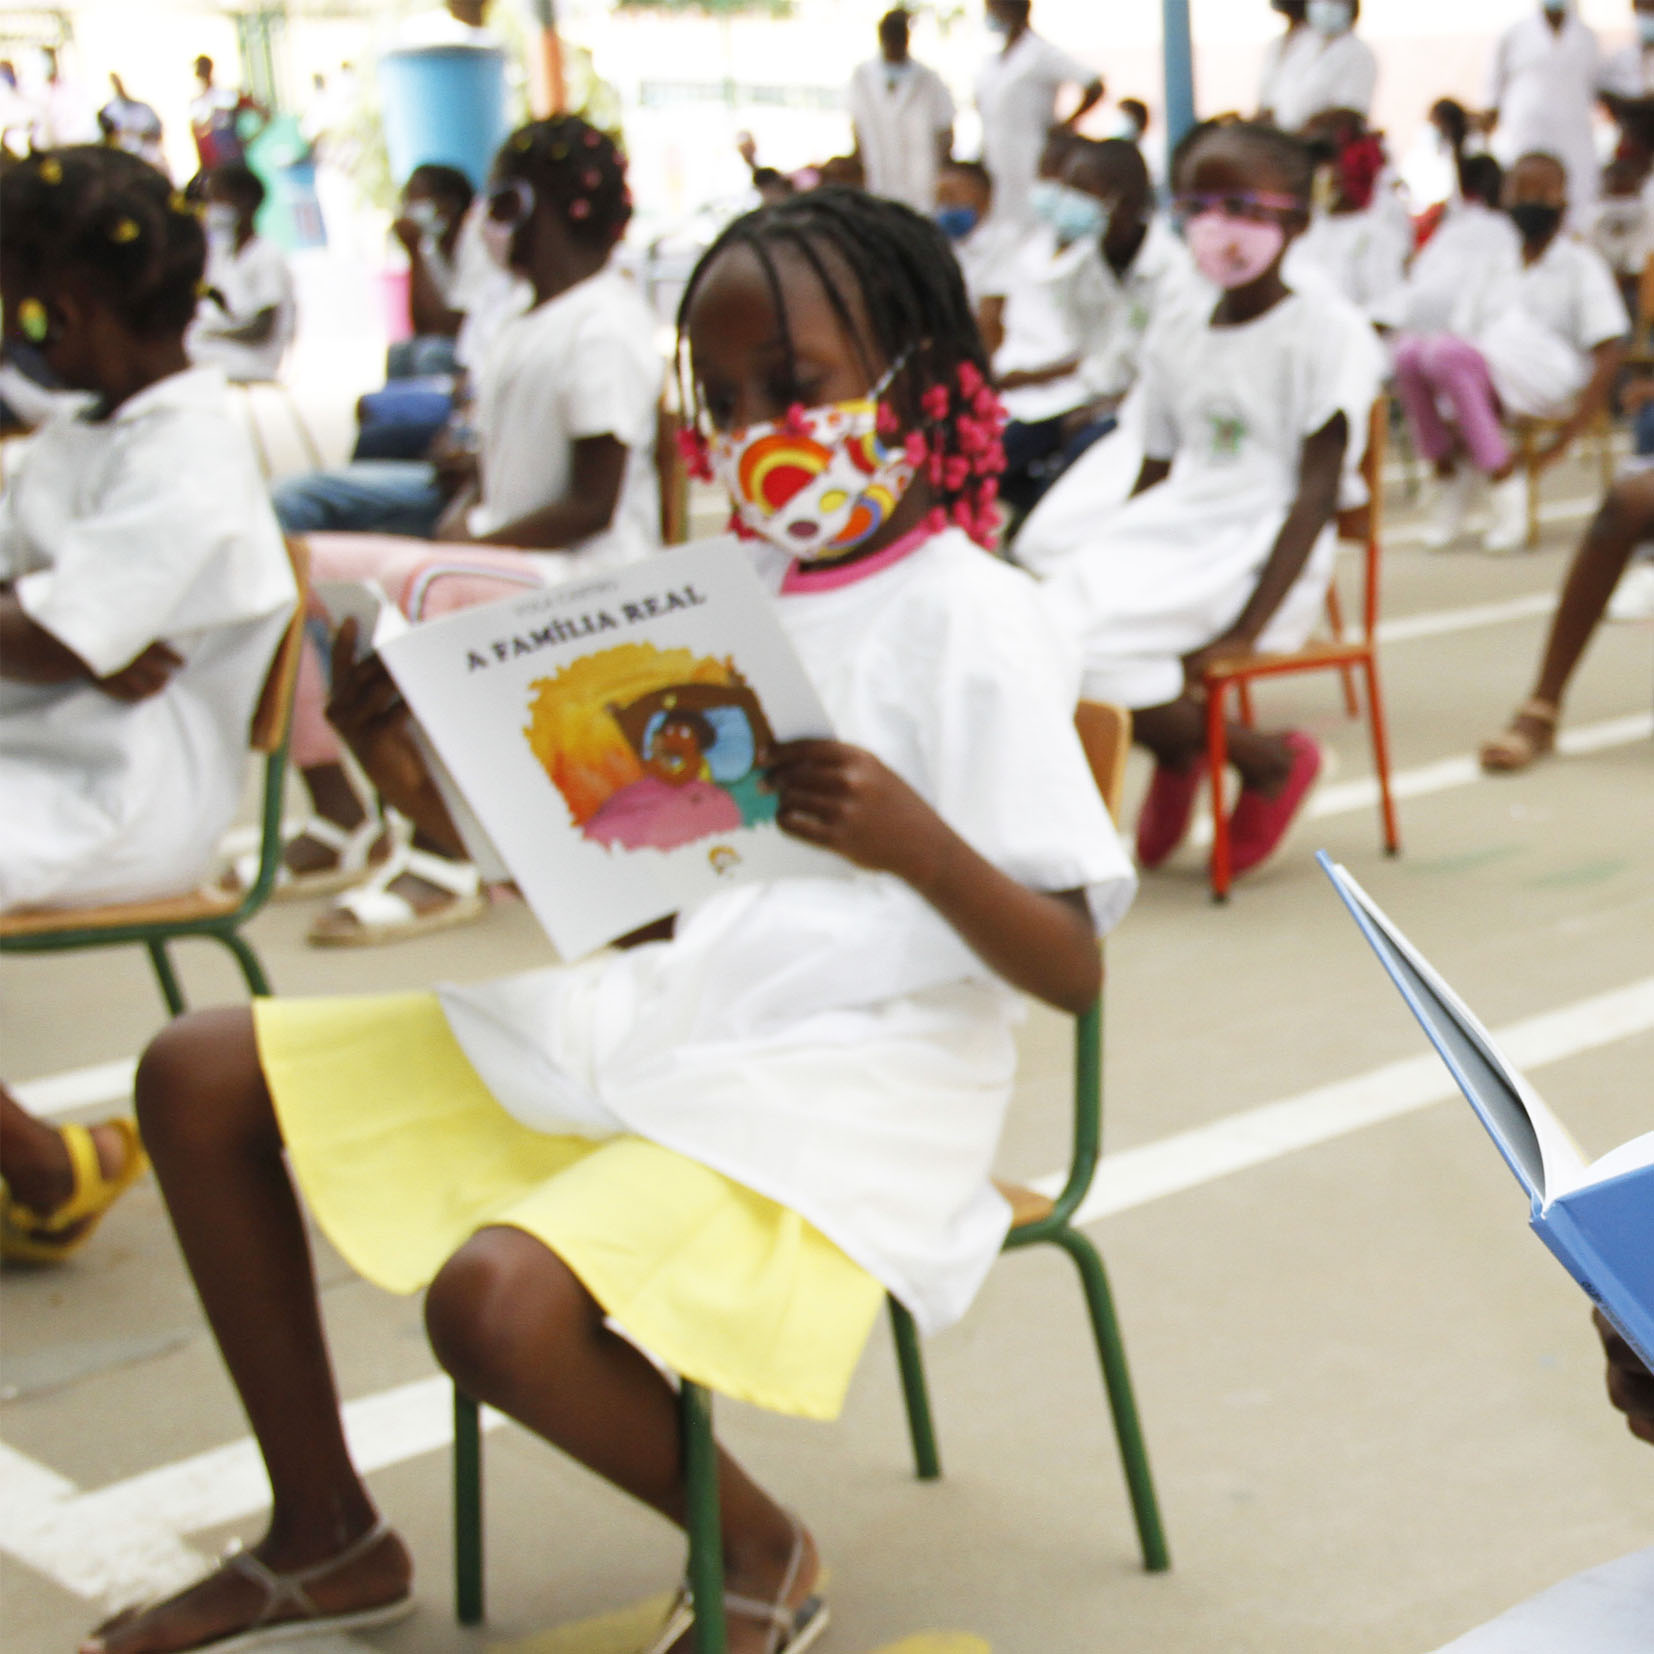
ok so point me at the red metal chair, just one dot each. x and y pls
(1348, 656)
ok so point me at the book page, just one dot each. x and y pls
(1628, 1157)
(611, 735)
(1532, 1140)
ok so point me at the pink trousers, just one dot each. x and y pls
(1438, 370)
(423, 580)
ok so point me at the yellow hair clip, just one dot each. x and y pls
(523, 141)
(181, 203)
(124, 231)
(33, 321)
(51, 170)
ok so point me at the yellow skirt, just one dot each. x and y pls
(403, 1154)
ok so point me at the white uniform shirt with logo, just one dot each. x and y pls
(1323, 72)
(834, 1043)
(152, 525)
(1543, 82)
(1016, 96)
(1545, 322)
(1230, 409)
(900, 112)
(252, 279)
(584, 364)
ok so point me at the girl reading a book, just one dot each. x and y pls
(730, 1141)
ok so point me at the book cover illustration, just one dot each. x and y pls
(611, 734)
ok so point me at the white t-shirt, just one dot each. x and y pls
(988, 259)
(834, 1043)
(1545, 322)
(1109, 315)
(1230, 408)
(1543, 82)
(1322, 72)
(584, 364)
(899, 113)
(1629, 72)
(1619, 228)
(1475, 250)
(252, 279)
(1362, 254)
(1280, 63)
(1016, 96)
(152, 525)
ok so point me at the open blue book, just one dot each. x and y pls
(1598, 1218)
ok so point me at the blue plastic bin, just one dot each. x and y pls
(444, 104)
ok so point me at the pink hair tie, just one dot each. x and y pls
(956, 473)
(580, 207)
(738, 528)
(885, 421)
(936, 519)
(917, 448)
(697, 458)
(793, 422)
(936, 401)
(970, 379)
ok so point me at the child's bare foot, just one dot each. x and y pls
(366, 1583)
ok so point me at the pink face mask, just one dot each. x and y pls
(1231, 251)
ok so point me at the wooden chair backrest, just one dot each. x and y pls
(275, 701)
(673, 476)
(1105, 733)
(1364, 524)
(1645, 307)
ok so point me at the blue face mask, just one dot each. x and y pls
(1645, 27)
(1072, 214)
(957, 222)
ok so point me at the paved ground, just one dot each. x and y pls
(1374, 1406)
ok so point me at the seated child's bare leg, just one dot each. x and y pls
(516, 1329)
(1176, 734)
(334, 799)
(213, 1139)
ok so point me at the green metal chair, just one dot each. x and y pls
(1105, 732)
(210, 913)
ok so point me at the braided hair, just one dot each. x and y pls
(578, 169)
(112, 222)
(914, 312)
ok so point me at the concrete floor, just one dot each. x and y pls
(1374, 1406)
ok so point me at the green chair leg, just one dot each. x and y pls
(1128, 1432)
(251, 970)
(467, 1510)
(162, 961)
(926, 1463)
(702, 1518)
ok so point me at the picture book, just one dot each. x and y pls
(1598, 1218)
(610, 735)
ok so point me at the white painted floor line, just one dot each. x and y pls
(124, 1540)
(1405, 628)
(60, 1094)
(1361, 793)
(1191, 1158)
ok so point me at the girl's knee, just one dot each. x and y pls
(502, 1298)
(200, 1078)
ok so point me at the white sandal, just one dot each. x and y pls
(290, 1591)
(373, 913)
(352, 849)
(796, 1628)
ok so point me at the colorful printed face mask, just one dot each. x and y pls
(818, 483)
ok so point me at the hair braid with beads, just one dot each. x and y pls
(110, 220)
(581, 171)
(915, 313)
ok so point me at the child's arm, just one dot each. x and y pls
(31, 654)
(1320, 469)
(1154, 472)
(1608, 358)
(843, 799)
(585, 508)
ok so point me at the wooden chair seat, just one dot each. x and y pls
(165, 910)
(1028, 1206)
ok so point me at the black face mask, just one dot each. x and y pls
(1535, 220)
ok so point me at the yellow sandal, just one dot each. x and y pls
(27, 1236)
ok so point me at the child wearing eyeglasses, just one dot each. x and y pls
(1256, 415)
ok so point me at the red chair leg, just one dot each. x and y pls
(1217, 758)
(1381, 759)
(1335, 619)
(1243, 698)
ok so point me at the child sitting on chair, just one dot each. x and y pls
(145, 582)
(1256, 415)
(247, 315)
(1545, 343)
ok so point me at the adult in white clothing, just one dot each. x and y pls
(1629, 73)
(1323, 66)
(1016, 96)
(1542, 87)
(902, 114)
